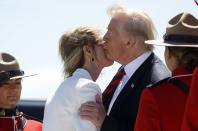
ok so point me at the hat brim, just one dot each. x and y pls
(174, 44)
(18, 77)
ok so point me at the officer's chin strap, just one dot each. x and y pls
(15, 123)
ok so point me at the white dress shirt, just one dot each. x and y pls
(129, 69)
(61, 110)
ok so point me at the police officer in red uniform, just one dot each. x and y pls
(162, 105)
(190, 122)
(10, 90)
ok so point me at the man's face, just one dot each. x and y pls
(114, 46)
(101, 57)
(10, 92)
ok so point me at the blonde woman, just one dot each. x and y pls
(83, 57)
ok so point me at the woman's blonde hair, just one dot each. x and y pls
(71, 46)
(134, 23)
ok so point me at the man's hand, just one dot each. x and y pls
(93, 111)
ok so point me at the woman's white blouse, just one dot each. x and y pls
(61, 110)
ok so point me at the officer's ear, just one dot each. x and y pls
(167, 54)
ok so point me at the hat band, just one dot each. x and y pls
(6, 75)
(181, 38)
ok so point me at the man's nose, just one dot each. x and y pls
(103, 46)
(105, 37)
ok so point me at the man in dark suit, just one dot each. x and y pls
(124, 43)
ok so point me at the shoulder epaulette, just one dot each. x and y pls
(174, 81)
(159, 82)
(31, 118)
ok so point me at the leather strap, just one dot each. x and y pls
(23, 123)
(173, 81)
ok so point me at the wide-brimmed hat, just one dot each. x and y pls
(9, 68)
(181, 31)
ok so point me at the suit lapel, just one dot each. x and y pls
(107, 103)
(132, 82)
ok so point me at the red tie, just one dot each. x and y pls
(113, 85)
(196, 1)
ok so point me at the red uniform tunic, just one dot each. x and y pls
(18, 123)
(162, 107)
(190, 122)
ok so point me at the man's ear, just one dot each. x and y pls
(131, 42)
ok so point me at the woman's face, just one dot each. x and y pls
(101, 56)
(10, 92)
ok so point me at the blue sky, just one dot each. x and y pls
(30, 30)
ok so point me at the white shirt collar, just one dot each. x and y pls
(131, 67)
(83, 73)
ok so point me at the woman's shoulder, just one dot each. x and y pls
(75, 84)
(79, 80)
(86, 84)
(164, 89)
(156, 88)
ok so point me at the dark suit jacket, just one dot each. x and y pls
(124, 111)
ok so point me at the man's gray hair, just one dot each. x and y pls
(134, 22)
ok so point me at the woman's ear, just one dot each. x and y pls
(167, 53)
(88, 53)
(171, 62)
(87, 50)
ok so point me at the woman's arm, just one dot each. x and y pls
(86, 93)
